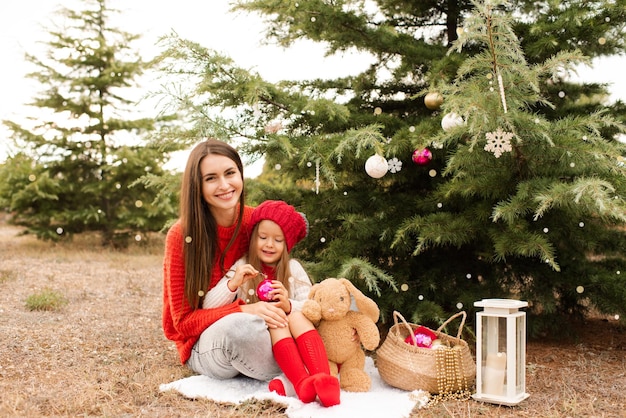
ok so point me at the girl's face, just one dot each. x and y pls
(222, 182)
(270, 242)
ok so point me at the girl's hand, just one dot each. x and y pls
(280, 296)
(273, 315)
(243, 273)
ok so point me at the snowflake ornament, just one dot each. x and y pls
(395, 165)
(499, 142)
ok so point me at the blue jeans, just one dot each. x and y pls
(237, 344)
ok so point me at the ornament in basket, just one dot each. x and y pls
(447, 368)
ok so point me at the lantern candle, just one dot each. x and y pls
(495, 367)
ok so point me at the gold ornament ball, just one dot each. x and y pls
(433, 100)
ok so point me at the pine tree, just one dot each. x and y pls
(76, 168)
(524, 194)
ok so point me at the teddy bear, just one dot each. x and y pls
(328, 308)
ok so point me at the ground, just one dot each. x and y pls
(104, 354)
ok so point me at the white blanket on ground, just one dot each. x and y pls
(381, 401)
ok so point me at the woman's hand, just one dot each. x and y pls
(271, 313)
(280, 296)
(243, 273)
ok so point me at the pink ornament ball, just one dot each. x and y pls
(422, 156)
(422, 337)
(263, 290)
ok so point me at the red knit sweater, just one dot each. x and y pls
(181, 323)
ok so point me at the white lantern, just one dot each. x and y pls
(501, 352)
(376, 166)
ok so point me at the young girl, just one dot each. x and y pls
(298, 349)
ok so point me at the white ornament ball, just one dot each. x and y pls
(451, 121)
(376, 166)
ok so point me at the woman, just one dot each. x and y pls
(210, 235)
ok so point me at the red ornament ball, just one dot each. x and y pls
(263, 290)
(422, 156)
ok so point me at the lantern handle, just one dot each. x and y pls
(456, 315)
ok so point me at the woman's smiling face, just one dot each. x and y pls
(222, 182)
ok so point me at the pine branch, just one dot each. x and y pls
(359, 270)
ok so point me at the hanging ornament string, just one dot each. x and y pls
(501, 86)
(317, 176)
(492, 49)
(499, 141)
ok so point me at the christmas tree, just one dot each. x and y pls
(77, 166)
(457, 167)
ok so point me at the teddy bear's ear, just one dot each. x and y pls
(365, 305)
(313, 290)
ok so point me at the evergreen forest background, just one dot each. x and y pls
(523, 195)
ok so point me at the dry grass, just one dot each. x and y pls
(104, 354)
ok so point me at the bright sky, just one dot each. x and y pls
(23, 28)
(23, 22)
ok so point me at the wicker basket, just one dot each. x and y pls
(446, 369)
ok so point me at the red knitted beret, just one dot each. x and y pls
(293, 224)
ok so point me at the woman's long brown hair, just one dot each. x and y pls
(199, 227)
